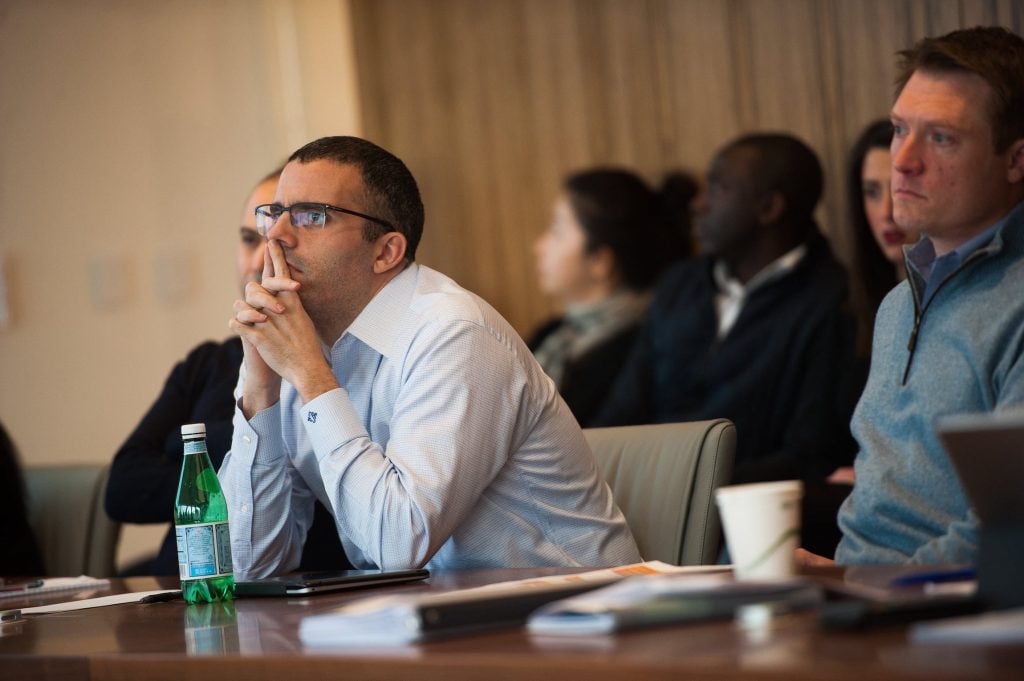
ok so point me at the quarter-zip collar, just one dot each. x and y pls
(927, 274)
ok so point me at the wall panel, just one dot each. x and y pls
(491, 103)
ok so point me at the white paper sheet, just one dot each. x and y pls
(117, 599)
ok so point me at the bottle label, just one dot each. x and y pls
(204, 550)
(195, 447)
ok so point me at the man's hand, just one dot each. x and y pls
(805, 558)
(843, 476)
(278, 337)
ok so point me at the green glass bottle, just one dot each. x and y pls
(201, 525)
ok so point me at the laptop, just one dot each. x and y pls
(987, 451)
(325, 582)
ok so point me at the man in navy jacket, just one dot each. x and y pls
(756, 329)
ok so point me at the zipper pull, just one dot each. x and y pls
(911, 344)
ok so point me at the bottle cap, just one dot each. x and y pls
(193, 429)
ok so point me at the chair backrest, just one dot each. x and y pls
(65, 510)
(664, 477)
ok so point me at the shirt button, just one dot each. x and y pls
(246, 439)
(245, 508)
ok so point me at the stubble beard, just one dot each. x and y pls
(907, 219)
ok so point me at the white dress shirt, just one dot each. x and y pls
(732, 294)
(446, 446)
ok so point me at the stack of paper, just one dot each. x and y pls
(404, 618)
(669, 599)
(52, 585)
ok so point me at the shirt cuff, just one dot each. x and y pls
(331, 421)
(263, 428)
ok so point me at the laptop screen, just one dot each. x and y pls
(987, 451)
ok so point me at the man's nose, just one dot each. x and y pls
(906, 158)
(282, 229)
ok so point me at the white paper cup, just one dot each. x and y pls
(762, 527)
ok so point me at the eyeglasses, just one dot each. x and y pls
(308, 215)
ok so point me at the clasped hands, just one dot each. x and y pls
(279, 339)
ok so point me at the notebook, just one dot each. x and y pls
(325, 582)
(399, 619)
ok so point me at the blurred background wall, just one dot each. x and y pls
(492, 102)
(131, 131)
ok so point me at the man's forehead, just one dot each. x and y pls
(319, 181)
(953, 98)
(734, 161)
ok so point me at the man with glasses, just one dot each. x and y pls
(401, 401)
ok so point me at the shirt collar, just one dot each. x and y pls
(382, 323)
(921, 256)
(776, 269)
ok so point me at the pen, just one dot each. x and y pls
(157, 598)
(932, 577)
(24, 586)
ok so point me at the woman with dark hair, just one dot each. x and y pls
(878, 242)
(610, 238)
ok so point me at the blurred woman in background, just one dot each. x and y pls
(878, 241)
(609, 239)
(878, 266)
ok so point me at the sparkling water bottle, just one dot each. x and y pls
(201, 525)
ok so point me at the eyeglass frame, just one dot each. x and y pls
(325, 206)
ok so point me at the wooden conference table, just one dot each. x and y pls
(258, 639)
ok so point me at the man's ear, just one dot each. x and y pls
(601, 264)
(389, 252)
(1015, 171)
(771, 207)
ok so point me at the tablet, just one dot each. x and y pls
(325, 582)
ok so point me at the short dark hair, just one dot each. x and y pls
(618, 210)
(785, 165)
(391, 190)
(991, 52)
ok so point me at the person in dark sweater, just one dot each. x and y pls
(144, 475)
(756, 329)
(610, 238)
(20, 556)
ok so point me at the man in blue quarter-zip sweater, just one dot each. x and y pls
(950, 339)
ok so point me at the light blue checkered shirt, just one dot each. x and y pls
(446, 446)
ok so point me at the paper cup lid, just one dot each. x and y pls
(778, 487)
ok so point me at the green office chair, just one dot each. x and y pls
(664, 477)
(65, 510)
